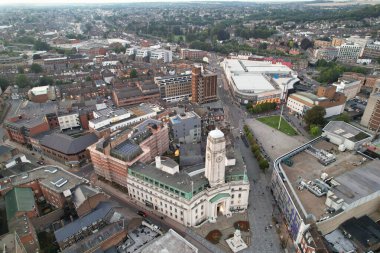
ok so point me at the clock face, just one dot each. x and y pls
(219, 159)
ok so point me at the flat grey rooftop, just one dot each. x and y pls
(360, 182)
(171, 242)
(345, 130)
(51, 177)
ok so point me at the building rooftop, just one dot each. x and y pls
(19, 200)
(183, 116)
(351, 175)
(257, 82)
(345, 130)
(171, 242)
(4, 149)
(216, 134)
(76, 226)
(52, 177)
(189, 178)
(68, 145)
(81, 193)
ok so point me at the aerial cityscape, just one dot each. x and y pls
(190, 126)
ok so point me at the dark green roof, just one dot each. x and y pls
(219, 196)
(18, 199)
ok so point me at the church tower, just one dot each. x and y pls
(215, 157)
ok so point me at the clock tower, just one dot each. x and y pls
(215, 158)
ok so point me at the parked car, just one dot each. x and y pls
(141, 213)
(41, 162)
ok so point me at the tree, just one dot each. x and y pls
(4, 83)
(223, 35)
(343, 117)
(315, 116)
(22, 81)
(40, 45)
(133, 73)
(20, 70)
(36, 68)
(45, 81)
(315, 130)
(36, 57)
(306, 43)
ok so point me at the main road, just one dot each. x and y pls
(261, 202)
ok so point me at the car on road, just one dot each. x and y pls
(41, 162)
(142, 213)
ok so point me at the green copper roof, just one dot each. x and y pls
(18, 199)
(219, 196)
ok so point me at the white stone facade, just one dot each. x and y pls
(221, 197)
(69, 121)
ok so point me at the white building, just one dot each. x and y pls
(349, 52)
(258, 81)
(345, 135)
(194, 195)
(120, 118)
(300, 102)
(186, 127)
(160, 55)
(69, 121)
(350, 88)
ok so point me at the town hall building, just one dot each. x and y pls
(197, 194)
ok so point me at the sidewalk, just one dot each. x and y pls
(37, 155)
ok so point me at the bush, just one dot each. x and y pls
(242, 225)
(263, 163)
(214, 236)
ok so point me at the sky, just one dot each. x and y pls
(55, 2)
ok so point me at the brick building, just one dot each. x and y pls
(66, 149)
(20, 129)
(174, 88)
(112, 156)
(203, 85)
(187, 53)
(136, 93)
(326, 97)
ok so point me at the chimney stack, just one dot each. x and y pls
(158, 162)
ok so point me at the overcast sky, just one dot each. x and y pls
(54, 2)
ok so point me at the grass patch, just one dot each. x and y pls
(272, 121)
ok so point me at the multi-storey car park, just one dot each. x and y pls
(326, 181)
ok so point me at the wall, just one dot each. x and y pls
(364, 208)
(44, 222)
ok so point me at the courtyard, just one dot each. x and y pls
(225, 225)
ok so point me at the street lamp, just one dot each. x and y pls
(284, 94)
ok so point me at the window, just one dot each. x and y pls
(239, 195)
(201, 207)
(181, 212)
(196, 210)
(232, 196)
(170, 207)
(175, 210)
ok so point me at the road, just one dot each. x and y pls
(261, 202)
(165, 224)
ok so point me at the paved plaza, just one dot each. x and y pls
(226, 227)
(274, 142)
